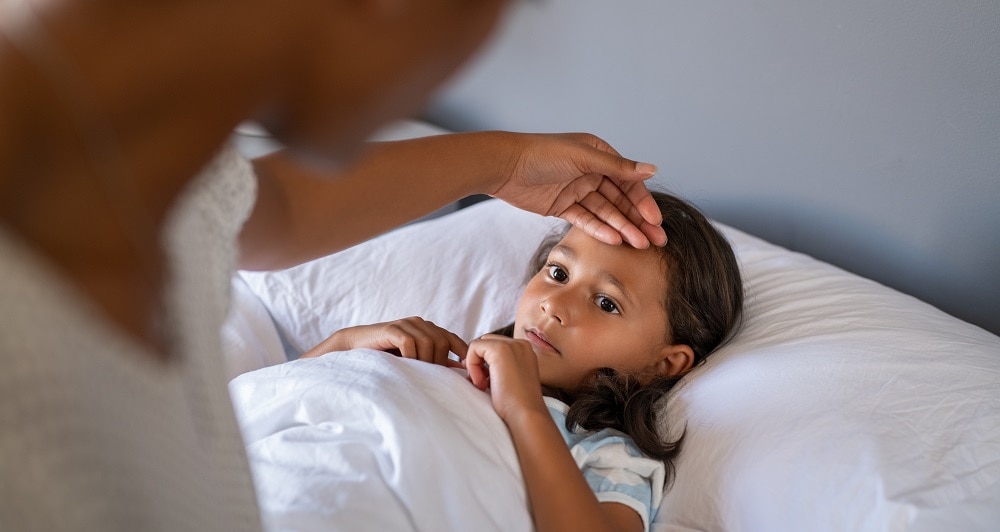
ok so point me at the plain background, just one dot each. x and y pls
(864, 133)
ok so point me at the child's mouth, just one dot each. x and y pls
(538, 338)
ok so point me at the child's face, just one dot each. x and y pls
(593, 306)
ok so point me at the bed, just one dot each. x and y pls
(841, 404)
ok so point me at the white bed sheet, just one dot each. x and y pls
(362, 440)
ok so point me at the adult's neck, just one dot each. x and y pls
(109, 108)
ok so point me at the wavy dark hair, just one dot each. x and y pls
(704, 304)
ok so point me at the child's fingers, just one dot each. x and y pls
(511, 372)
(456, 344)
(418, 339)
(434, 343)
(444, 343)
(403, 341)
(475, 365)
(421, 337)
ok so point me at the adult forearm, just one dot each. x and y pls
(303, 213)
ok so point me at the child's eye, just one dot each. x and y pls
(557, 274)
(607, 304)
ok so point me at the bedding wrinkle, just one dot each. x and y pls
(393, 412)
(901, 393)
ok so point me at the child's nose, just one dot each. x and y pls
(555, 308)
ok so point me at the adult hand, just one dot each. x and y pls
(583, 180)
(411, 337)
(509, 368)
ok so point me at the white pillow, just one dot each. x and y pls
(249, 339)
(464, 272)
(840, 405)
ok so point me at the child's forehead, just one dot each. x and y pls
(577, 238)
(577, 244)
(640, 275)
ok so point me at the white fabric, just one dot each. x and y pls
(443, 270)
(840, 405)
(363, 440)
(97, 434)
(253, 141)
(249, 339)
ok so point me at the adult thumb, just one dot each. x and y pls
(615, 166)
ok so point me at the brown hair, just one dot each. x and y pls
(704, 303)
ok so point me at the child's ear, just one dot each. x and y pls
(675, 360)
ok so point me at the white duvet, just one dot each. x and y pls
(363, 440)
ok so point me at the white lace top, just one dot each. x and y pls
(97, 436)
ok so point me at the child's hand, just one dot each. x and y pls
(411, 337)
(509, 368)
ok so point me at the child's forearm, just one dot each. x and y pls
(560, 497)
(334, 342)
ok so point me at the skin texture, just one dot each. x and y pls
(592, 301)
(548, 174)
(411, 337)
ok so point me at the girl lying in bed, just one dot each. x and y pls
(602, 333)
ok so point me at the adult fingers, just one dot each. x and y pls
(644, 203)
(587, 216)
(629, 176)
(620, 200)
(583, 219)
(633, 201)
(610, 206)
(605, 160)
(609, 216)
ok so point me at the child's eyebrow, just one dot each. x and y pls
(570, 254)
(617, 284)
(563, 249)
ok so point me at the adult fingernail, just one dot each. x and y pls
(645, 168)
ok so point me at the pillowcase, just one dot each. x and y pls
(840, 404)
(249, 339)
(464, 272)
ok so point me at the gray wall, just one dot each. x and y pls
(865, 133)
